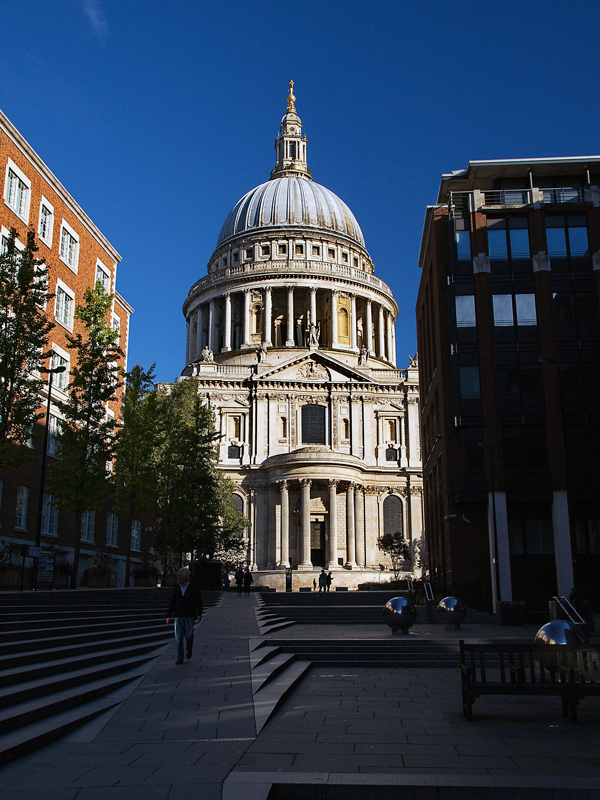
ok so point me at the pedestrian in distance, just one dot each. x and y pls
(322, 582)
(314, 584)
(185, 608)
(248, 581)
(239, 580)
(226, 582)
(329, 579)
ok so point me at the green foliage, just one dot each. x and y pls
(85, 439)
(24, 329)
(396, 547)
(194, 499)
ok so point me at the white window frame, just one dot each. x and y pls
(49, 516)
(115, 324)
(47, 240)
(5, 234)
(53, 430)
(60, 357)
(22, 211)
(112, 529)
(136, 535)
(21, 510)
(88, 526)
(70, 293)
(102, 268)
(72, 263)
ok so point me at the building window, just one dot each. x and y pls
(136, 535)
(60, 379)
(299, 249)
(103, 275)
(508, 238)
(64, 305)
(112, 529)
(266, 250)
(355, 261)
(236, 257)
(115, 324)
(248, 254)
(345, 258)
(17, 191)
(234, 451)
(235, 426)
(392, 516)
(345, 429)
(567, 236)
(391, 454)
(313, 424)
(465, 311)
(88, 526)
(46, 224)
(21, 515)
(49, 516)
(283, 428)
(316, 250)
(503, 309)
(282, 249)
(463, 245)
(469, 383)
(69, 246)
(525, 308)
(507, 308)
(53, 431)
(331, 252)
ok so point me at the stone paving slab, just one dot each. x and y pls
(342, 734)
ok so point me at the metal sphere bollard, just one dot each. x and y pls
(559, 632)
(400, 614)
(452, 612)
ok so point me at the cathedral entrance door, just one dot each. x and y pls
(318, 545)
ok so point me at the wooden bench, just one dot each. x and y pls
(570, 672)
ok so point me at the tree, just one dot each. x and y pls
(85, 438)
(395, 546)
(194, 499)
(24, 329)
(135, 448)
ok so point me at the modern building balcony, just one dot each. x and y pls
(502, 198)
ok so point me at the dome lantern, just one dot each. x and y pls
(290, 145)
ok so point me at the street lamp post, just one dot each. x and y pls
(38, 528)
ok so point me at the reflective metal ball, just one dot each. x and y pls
(451, 611)
(559, 631)
(400, 614)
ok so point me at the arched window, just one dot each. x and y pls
(238, 504)
(390, 430)
(313, 424)
(283, 427)
(392, 515)
(345, 429)
(343, 323)
(257, 319)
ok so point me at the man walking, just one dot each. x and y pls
(185, 608)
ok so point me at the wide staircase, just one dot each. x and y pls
(65, 655)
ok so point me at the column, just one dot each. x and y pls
(198, 343)
(227, 330)
(393, 356)
(332, 562)
(334, 318)
(353, 322)
(211, 323)
(381, 333)
(188, 341)
(369, 340)
(498, 529)
(359, 524)
(285, 524)
(290, 318)
(306, 563)
(268, 317)
(389, 335)
(270, 533)
(313, 306)
(350, 529)
(246, 342)
(562, 543)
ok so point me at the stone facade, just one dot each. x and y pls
(291, 337)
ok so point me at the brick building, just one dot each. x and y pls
(77, 255)
(509, 370)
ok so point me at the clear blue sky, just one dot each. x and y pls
(158, 116)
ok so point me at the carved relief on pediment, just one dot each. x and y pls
(312, 371)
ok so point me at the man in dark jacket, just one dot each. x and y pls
(185, 608)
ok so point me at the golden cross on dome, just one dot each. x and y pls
(291, 98)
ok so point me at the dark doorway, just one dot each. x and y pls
(318, 552)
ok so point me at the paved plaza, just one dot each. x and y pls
(343, 733)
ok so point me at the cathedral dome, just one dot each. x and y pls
(291, 201)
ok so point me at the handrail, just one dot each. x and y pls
(568, 608)
(428, 591)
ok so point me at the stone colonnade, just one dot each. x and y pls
(206, 320)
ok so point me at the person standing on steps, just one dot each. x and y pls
(329, 579)
(322, 582)
(185, 608)
(248, 581)
(239, 580)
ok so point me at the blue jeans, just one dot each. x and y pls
(184, 626)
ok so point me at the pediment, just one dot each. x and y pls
(313, 367)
